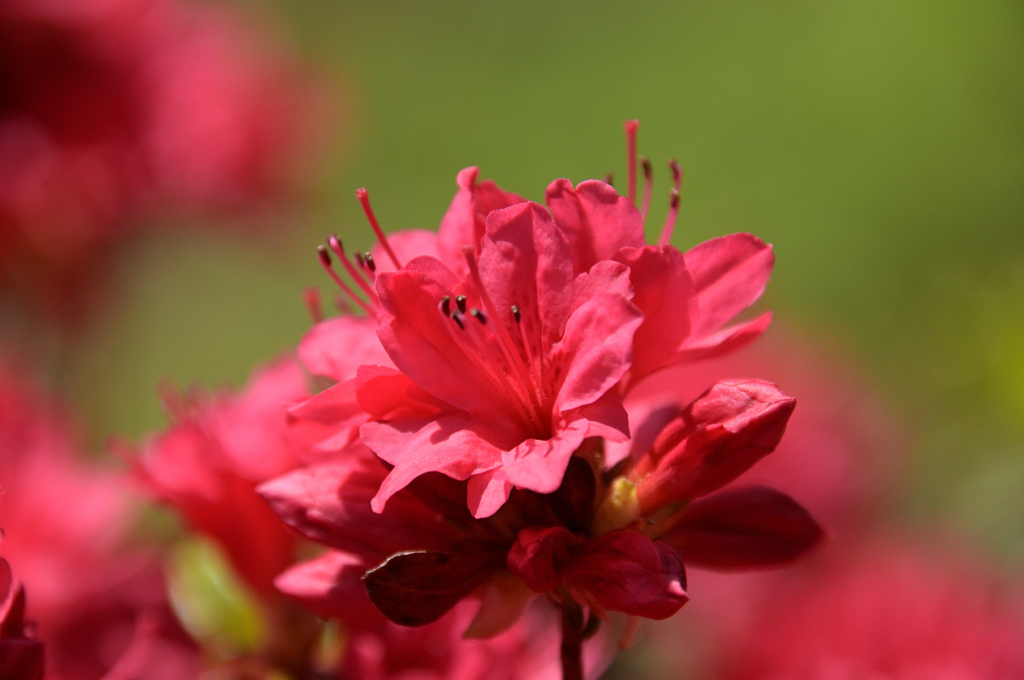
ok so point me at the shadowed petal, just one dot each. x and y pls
(624, 571)
(332, 587)
(463, 223)
(750, 528)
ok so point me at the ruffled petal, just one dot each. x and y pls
(729, 273)
(448, 444)
(597, 221)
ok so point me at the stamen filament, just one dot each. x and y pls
(325, 261)
(364, 197)
(645, 204)
(335, 243)
(631, 129)
(673, 211)
(504, 339)
(536, 368)
(311, 296)
(475, 354)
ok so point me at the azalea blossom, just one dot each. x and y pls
(95, 600)
(121, 113)
(891, 607)
(21, 657)
(486, 450)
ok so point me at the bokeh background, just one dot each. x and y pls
(878, 145)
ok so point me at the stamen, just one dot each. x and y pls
(311, 296)
(631, 129)
(359, 258)
(508, 348)
(515, 313)
(645, 205)
(368, 259)
(609, 178)
(364, 197)
(446, 305)
(536, 369)
(477, 351)
(478, 315)
(461, 303)
(325, 261)
(673, 210)
(339, 250)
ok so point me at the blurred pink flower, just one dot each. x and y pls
(96, 600)
(122, 112)
(207, 464)
(893, 607)
(21, 657)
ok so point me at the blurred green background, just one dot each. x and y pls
(878, 145)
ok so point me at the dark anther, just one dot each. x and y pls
(369, 261)
(478, 315)
(446, 305)
(609, 179)
(325, 257)
(674, 201)
(646, 163)
(461, 302)
(358, 256)
(515, 313)
(457, 320)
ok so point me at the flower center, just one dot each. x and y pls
(513, 364)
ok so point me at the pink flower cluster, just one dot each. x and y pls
(117, 113)
(479, 441)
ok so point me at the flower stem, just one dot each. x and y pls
(572, 640)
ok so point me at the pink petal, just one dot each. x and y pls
(407, 244)
(386, 394)
(463, 223)
(329, 503)
(487, 492)
(726, 340)
(624, 571)
(607, 276)
(525, 261)
(597, 221)
(337, 347)
(596, 349)
(335, 404)
(332, 586)
(750, 528)
(417, 337)
(446, 444)
(713, 441)
(539, 464)
(729, 274)
(605, 418)
(539, 554)
(665, 294)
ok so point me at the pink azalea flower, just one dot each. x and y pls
(96, 602)
(891, 607)
(494, 404)
(208, 463)
(122, 112)
(21, 657)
